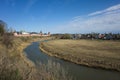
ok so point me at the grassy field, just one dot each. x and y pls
(94, 53)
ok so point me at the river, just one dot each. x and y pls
(77, 71)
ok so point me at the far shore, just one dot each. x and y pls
(92, 53)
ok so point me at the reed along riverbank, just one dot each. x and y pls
(14, 65)
(92, 53)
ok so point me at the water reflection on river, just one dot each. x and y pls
(79, 72)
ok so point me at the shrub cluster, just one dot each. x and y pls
(66, 36)
(6, 36)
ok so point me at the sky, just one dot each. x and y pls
(62, 16)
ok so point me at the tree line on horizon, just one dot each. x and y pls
(6, 33)
(104, 36)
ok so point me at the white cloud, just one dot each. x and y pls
(110, 9)
(107, 20)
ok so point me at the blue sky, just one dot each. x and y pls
(62, 16)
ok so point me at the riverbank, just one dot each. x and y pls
(15, 64)
(13, 58)
(92, 53)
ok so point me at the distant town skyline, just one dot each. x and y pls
(62, 16)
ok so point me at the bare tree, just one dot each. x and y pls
(3, 28)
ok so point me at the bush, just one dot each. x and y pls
(2, 28)
(7, 40)
(25, 39)
(5, 36)
(66, 36)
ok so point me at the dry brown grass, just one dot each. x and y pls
(96, 53)
(16, 62)
(53, 71)
(15, 66)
